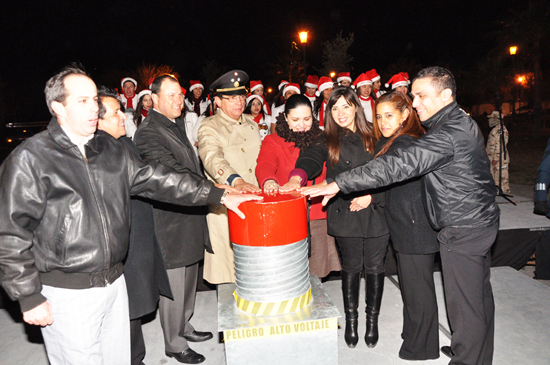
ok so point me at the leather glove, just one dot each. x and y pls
(541, 207)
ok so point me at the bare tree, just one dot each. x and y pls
(335, 54)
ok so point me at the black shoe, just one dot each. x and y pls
(187, 357)
(446, 350)
(197, 336)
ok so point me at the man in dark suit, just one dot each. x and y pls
(182, 232)
(144, 268)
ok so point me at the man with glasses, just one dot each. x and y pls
(229, 143)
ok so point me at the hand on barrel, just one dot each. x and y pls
(244, 187)
(292, 185)
(323, 189)
(271, 187)
(232, 202)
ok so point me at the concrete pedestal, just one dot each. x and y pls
(308, 336)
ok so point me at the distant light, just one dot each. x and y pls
(521, 78)
(24, 131)
(513, 50)
(10, 140)
(303, 37)
(332, 74)
(269, 90)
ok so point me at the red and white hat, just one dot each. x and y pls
(183, 91)
(312, 81)
(282, 84)
(127, 79)
(195, 84)
(361, 80)
(343, 76)
(252, 97)
(400, 79)
(374, 76)
(324, 83)
(151, 81)
(144, 92)
(255, 84)
(291, 86)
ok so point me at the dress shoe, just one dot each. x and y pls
(186, 357)
(197, 336)
(446, 350)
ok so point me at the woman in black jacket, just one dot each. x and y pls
(358, 225)
(414, 240)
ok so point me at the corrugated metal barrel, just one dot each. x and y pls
(271, 261)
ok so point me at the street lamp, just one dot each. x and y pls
(513, 50)
(303, 41)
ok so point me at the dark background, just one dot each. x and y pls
(112, 38)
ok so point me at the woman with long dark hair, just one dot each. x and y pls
(254, 107)
(357, 220)
(144, 104)
(413, 239)
(323, 92)
(296, 130)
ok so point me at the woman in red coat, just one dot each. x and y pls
(296, 130)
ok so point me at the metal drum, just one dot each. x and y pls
(271, 255)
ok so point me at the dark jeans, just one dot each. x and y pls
(466, 261)
(358, 253)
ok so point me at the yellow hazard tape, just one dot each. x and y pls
(280, 330)
(273, 308)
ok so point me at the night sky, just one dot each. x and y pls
(112, 38)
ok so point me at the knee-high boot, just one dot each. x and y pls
(350, 289)
(375, 287)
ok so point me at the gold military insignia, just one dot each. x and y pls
(236, 84)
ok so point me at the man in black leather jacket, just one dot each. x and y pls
(459, 199)
(65, 196)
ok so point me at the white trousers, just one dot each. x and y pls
(90, 326)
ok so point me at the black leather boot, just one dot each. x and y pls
(375, 287)
(350, 289)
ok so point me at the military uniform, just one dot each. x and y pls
(493, 151)
(228, 149)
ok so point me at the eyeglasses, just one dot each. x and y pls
(235, 98)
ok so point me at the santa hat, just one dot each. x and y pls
(127, 79)
(255, 85)
(343, 76)
(374, 76)
(195, 84)
(324, 83)
(144, 92)
(312, 81)
(361, 80)
(183, 91)
(252, 97)
(400, 79)
(282, 84)
(291, 86)
(151, 81)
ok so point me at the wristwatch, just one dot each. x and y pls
(222, 199)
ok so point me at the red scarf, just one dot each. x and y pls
(258, 118)
(197, 106)
(129, 102)
(368, 99)
(144, 113)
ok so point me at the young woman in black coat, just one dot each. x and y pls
(357, 221)
(414, 240)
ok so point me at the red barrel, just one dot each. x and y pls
(277, 220)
